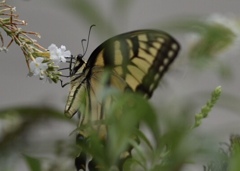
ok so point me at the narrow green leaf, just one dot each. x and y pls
(34, 164)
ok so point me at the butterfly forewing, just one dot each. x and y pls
(140, 58)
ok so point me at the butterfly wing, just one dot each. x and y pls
(136, 60)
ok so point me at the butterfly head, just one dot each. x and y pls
(78, 65)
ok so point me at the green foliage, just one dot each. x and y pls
(33, 163)
(213, 38)
(166, 150)
(207, 108)
(17, 126)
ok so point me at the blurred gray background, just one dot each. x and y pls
(59, 23)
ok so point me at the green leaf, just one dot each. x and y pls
(34, 164)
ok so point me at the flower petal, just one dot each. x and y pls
(63, 48)
(39, 60)
(52, 47)
(67, 53)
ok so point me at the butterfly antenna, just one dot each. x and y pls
(88, 38)
(83, 40)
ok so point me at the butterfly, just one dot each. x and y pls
(136, 61)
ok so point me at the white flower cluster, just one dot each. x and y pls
(58, 54)
(40, 65)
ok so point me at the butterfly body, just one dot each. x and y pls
(134, 61)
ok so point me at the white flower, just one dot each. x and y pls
(37, 67)
(58, 54)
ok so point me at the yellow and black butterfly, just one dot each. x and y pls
(136, 61)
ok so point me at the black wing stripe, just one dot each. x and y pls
(135, 43)
(158, 68)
